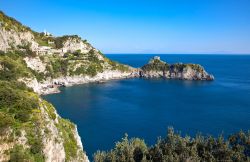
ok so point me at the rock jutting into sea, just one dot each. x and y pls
(160, 69)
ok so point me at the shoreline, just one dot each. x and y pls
(52, 86)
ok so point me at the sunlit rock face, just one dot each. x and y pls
(160, 69)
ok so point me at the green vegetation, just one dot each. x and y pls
(19, 154)
(117, 66)
(18, 105)
(50, 110)
(42, 40)
(12, 67)
(90, 70)
(60, 40)
(196, 67)
(59, 66)
(156, 65)
(16, 101)
(177, 148)
(181, 67)
(9, 23)
(20, 111)
(69, 141)
(56, 42)
(125, 151)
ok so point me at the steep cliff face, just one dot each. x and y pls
(14, 35)
(31, 129)
(159, 69)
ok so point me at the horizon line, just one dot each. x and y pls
(112, 53)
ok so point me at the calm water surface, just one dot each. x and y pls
(145, 108)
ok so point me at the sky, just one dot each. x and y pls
(143, 26)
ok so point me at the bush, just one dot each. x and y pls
(12, 67)
(17, 102)
(174, 147)
(128, 150)
(60, 67)
(6, 122)
(19, 154)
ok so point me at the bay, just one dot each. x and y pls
(146, 108)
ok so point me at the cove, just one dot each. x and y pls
(145, 108)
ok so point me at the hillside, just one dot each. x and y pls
(63, 60)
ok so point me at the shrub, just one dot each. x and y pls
(13, 67)
(6, 122)
(174, 147)
(69, 142)
(19, 154)
(60, 67)
(128, 150)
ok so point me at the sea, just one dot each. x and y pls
(146, 108)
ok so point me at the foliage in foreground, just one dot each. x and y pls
(175, 148)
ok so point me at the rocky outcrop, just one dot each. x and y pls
(35, 63)
(13, 39)
(159, 69)
(14, 35)
(53, 133)
(54, 141)
(73, 44)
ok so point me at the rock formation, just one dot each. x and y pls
(159, 69)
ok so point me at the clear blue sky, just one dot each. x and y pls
(142, 26)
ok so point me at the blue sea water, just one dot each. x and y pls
(146, 108)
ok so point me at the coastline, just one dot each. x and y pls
(52, 85)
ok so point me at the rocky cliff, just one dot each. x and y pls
(31, 130)
(160, 69)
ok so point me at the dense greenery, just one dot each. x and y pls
(19, 111)
(18, 107)
(70, 143)
(20, 154)
(156, 65)
(181, 67)
(175, 148)
(12, 67)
